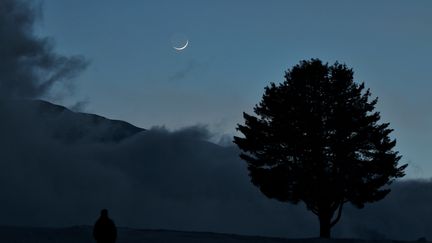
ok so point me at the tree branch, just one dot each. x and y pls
(338, 217)
(314, 210)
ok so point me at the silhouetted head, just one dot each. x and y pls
(104, 213)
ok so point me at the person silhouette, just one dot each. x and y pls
(104, 230)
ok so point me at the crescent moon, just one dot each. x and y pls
(183, 47)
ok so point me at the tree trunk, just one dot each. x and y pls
(325, 225)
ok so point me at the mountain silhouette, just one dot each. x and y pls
(69, 126)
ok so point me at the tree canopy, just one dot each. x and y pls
(316, 138)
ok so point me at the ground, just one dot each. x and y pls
(82, 234)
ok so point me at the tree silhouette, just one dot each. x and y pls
(316, 139)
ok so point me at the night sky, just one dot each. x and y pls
(116, 59)
(237, 48)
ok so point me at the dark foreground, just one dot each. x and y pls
(83, 234)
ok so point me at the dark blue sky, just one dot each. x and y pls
(238, 47)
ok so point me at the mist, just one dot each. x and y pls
(164, 179)
(29, 65)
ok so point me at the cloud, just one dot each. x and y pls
(185, 71)
(404, 214)
(171, 180)
(29, 66)
(79, 106)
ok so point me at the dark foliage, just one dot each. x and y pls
(317, 139)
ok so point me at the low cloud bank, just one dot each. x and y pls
(167, 179)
